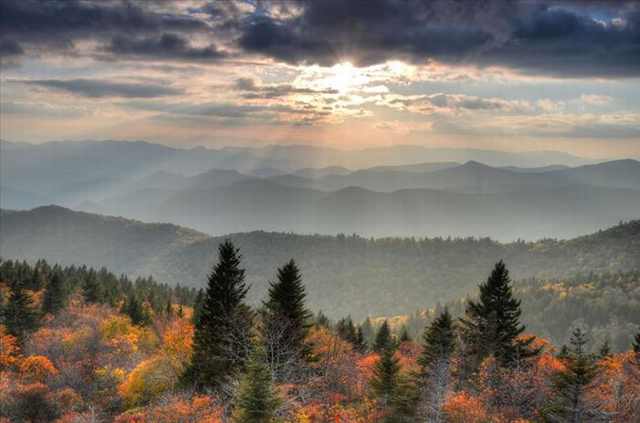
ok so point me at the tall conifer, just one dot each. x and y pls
(222, 334)
(20, 316)
(492, 324)
(383, 340)
(54, 295)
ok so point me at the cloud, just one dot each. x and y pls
(595, 99)
(167, 46)
(254, 91)
(96, 88)
(10, 48)
(439, 102)
(558, 38)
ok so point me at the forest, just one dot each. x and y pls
(84, 345)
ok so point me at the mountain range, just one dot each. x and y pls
(343, 274)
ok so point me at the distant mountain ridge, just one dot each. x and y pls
(343, 273)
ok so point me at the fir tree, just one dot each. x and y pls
(435, 363)
(438, 342)
(169, 309)
(367, 331)
(91, 288)
(133, 308)
(492, 324)
(286, 318)
(404, 335)
(605, 349)
(197, 307)
(383, 340)
(257, 400)
(636, 343)
(360, 344)
(54, 295)
(386, 376)
(19, 314)
(322, 320)
(222, 334)
(346, 330)
(571, 384)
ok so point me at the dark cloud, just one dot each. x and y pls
(10, 48)
(563, 38)
(59, 23)
(167, 46)
(95, 88)
(254, 91)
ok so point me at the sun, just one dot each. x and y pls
(344, 77)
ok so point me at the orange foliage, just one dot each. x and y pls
(462, 407)
(177, 343)
(199, 409)
(37, 368)
(9, 351)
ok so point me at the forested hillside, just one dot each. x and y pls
(80, 345)
(344, 274)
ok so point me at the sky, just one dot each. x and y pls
(492, 74)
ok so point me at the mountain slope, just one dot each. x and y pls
(384, 276)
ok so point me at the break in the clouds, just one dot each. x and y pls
(511, 74)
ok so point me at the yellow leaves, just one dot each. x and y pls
(149, 379)
(177, 343)
(37, 368)
(119, 333)
(9, 350)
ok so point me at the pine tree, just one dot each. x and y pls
(257, 400)
(367, 331)
(438, 342)
(346, 330)
(91, 288)
(571, 385)
(133, 308)
(222, 334)
(404, 335)
(492, 325)
(169, 309)
(386, 376)
(435, 364)
(322, 320)
(20, 316)
(286, 319)
(54, 295)
(605, 349)
(383, 340)
(197, 307)
(360, 344)
(636, 343)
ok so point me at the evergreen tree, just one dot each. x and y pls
(91, 288)
(367, 331)
(322, 320)
(605, 349)
(133, 308)
(438, 342)
(386, 375)
(360, 344)
(54, 295)
(20, 316)
(169, 309)
(286, 318)
(180, 313)
(571, 384)
(404, 335)
(636, 343)
(492, 324)
(435, 364)
(257, 400)
(346, 330)
(383, 340)
(222, 334)
(197, 307)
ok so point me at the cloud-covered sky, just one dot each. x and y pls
(505, 74)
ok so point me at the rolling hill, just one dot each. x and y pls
(343, 274)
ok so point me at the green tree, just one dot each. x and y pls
(571, 384)
(54, 295)
(404, 335)
(492, 325)
(20, 316)
(438, 342)
(384, 340)
(346, 330)
(222, 334)
(386, 376)
(636, 343)
(91, 288)
(197, 307)
(286, 318)
(257, 400)
(134, 308)
(605, 349)
(360, 343)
